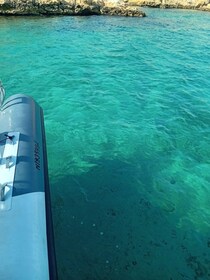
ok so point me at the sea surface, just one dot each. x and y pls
(127, 118)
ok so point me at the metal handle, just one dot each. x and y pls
(2, 192)
(2, 94)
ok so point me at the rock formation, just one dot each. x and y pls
(180, 4)
(94, 7)
(68, 7)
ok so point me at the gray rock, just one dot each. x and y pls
(66, 7)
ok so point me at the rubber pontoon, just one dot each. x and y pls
(26, 232)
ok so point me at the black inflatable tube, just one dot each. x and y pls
(50, 233)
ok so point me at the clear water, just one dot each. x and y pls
(127, 112)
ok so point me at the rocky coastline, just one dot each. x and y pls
(203, 5)
(68, 7)
(94, 7)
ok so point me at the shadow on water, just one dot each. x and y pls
(107, 227)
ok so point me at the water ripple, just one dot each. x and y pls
(127, 118)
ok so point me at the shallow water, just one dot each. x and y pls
(126, 104)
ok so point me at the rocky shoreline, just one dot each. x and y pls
(68, 7)
(94, 7)
(203, 5)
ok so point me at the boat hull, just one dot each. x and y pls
(26, 235)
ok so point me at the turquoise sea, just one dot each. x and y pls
(127, 116)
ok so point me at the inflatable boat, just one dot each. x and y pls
(26, 231)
